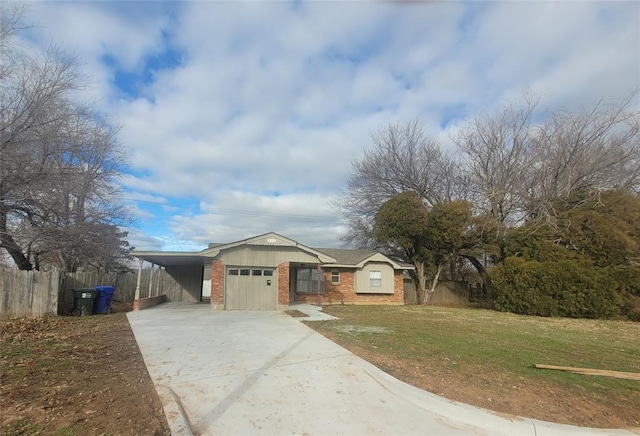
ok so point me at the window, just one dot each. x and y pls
(244, 272)
(256, 272)
(233, 272)
(307, 280)
(375, 279)
(335, 276)
(267, 272)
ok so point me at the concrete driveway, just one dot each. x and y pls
(231, 373)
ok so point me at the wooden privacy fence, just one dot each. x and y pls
(151, 284)
(446, 293)
(28, 293)
(37, 293)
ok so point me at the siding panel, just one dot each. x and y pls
(362, 279)
(265, 256)
(184, 283)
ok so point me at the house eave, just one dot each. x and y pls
(170, 258)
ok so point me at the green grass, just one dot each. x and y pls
(23, 427)
(493, 345)
(66, 431)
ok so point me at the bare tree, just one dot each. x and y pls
(499, 155)
(584, 154)
(58, 161)
(520, 170)
(512, 168)
(402, 159)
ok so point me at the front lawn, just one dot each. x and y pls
(486, 358)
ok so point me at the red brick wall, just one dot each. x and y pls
(345, 292)
(283, 283)
(335, 293)
(217, 284)
(144, 303)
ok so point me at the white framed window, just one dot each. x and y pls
(233, 271)
(335, 276)
(375, 279)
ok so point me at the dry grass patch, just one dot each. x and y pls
(75, 376)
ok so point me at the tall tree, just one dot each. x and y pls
(402, 158)
(586, 153)
(448, 234)
(58, 159)
(401, 225)
(499, 157)
(520, 169)
(427, 239)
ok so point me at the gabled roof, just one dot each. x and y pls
(338, 257)
(270, 239)
(358, 257)
(348, 256)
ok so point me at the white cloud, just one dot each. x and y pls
(235, 215)
(275, 97)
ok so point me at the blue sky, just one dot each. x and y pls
(241, 118)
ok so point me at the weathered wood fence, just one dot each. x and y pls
(37, 293)
(28, 293)
(446, 293)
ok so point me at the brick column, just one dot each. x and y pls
(398, 286)
(217, 285)
(283, 284)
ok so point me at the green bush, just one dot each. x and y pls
(562, 288)
(628, 286)
(628, 279)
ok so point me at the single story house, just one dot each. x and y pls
(270, 271)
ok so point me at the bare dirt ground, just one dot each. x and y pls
(76, 376)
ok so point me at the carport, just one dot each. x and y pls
(185, 269)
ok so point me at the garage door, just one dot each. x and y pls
(254, 288)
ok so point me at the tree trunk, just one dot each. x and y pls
(434, 283)
(453, 272)
(8, 243)
(486, 279)
(420, 281)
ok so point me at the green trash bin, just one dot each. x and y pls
(83, 301)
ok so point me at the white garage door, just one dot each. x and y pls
(251, 288)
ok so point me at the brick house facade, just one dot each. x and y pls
(343, 292)
(270, 272)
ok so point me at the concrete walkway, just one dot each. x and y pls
(231, 373)
(312, 312)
